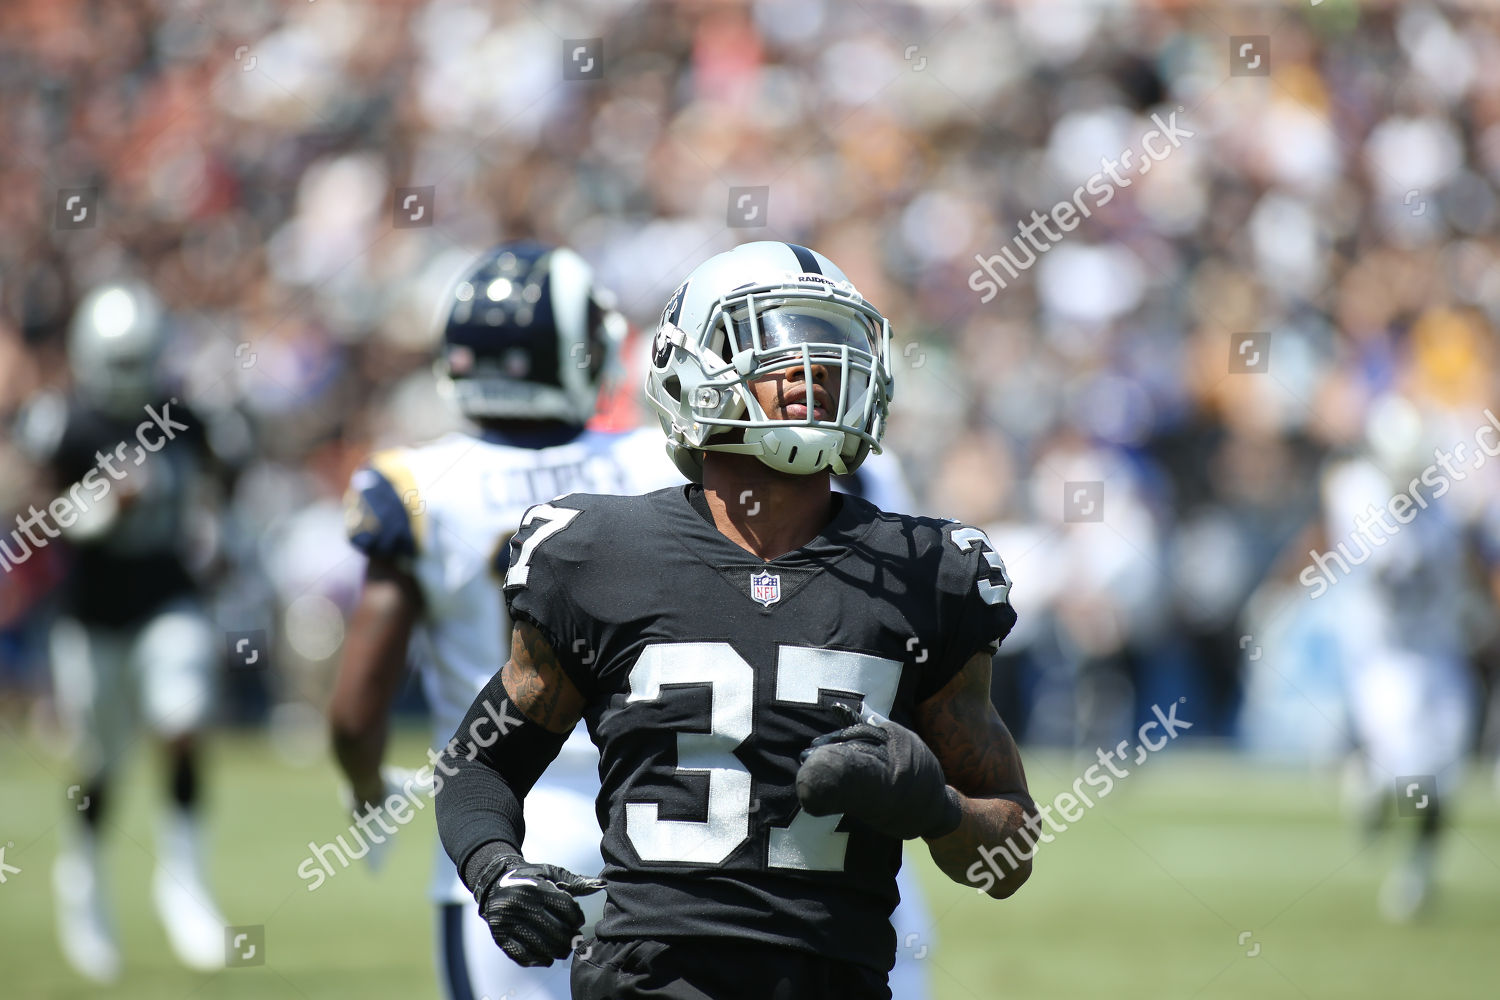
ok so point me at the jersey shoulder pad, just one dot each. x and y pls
(954, 560)
(561, 573)
(915, 537)
(384, 515)
(973, 595)
(561, 534)
(970, 563)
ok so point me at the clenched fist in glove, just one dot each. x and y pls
(881, 773)
(530, 908)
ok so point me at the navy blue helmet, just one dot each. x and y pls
(528, 336)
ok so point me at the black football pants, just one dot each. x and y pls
(716, 969)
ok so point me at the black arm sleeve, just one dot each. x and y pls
(484, 773)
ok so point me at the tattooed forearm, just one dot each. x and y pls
(536, 683)
(965, 731)
(981, 762)
(988, 822)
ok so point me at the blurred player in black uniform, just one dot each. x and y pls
(132, 643)
(783, 683)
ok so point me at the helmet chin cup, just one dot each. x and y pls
(798, 450)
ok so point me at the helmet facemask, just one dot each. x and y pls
(764, 329)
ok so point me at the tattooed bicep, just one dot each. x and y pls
(536, 683)
(960, 724)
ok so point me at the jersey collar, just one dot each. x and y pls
(688, 509)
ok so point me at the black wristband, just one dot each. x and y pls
(475, 874)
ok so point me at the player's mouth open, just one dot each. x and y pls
(795, 407)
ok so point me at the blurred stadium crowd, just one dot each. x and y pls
(243, 160)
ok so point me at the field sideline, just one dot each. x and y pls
(1147, 896)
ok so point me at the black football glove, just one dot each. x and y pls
(530, 908)
(882, 774)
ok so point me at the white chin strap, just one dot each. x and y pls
(797, 450)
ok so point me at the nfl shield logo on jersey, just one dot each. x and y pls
(765, 588)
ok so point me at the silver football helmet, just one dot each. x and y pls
(114, 344)
(748, 313)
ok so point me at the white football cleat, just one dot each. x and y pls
(194, 925)
(1408, 889)
(83, 925)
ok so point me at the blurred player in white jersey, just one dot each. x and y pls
(132, 642)
(1402, 648)
(528, 340)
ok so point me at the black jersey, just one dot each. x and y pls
(706, 671)
(150, 466)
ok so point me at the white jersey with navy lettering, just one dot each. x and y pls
(444, 510)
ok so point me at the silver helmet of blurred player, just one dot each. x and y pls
(759, 309)
(528, 336)
(114, 344)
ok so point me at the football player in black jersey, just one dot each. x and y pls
(783, 683)
(133, 646)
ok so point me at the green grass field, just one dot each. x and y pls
(1146, 896)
